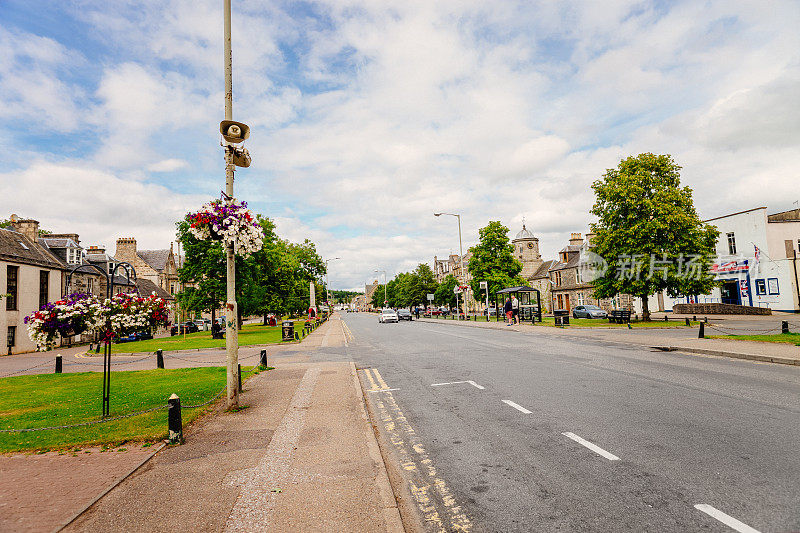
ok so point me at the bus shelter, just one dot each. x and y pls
(530, 302)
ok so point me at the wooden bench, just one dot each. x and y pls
(620, 316)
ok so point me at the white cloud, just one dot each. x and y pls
(367, 117)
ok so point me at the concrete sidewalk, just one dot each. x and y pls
(769, 352)
(302, 456)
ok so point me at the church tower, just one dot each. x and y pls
(526, 249)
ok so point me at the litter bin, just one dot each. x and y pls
(561, 317)
(287, 328)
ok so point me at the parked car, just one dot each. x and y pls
(404, 314)
(136, 336)
(588, 311)
(201, 324)
(189, 327)
(388, 315)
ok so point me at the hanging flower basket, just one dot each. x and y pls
(78, 313)
(228, 222)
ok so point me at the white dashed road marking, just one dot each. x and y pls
(728, 520)
(458, 382)
(595, 448)
(517, 406)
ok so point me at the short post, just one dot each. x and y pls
(58, 364)
(665, 318)
(296, 336)
(174, 422)
(159, 358)
(263, 361)
(694, 318)
(705, 319)
(784, 326)
(687, 321)
(97, 350)
(702, 334)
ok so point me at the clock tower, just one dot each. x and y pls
(526, 249)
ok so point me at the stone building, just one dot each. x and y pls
(30, 276)
(570, 286)
(158, 266)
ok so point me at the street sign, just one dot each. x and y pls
(430, 297)
(484, 285)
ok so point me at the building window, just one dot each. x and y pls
(557, 278)
(12, 281)
(12, 336)
(731, 244)
(772, 285)
(172, 288)
(90, 285)
(578, 277)
(761, 286)
(44, 287)
(580, 298)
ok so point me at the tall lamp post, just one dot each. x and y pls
(385, 298)
(461, 252)
(233, 133)
(328, 283)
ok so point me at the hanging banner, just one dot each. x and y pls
(730, 267)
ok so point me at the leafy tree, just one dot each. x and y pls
(493, 260)
(341, 296)
(648, 232)
(444, 292)
(420, 283)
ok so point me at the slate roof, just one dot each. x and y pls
(16, 248)
(572, 263)
(147, 287)
(542, 271)
(155, 258)
(59, 243)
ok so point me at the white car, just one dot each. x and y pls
(388, 315)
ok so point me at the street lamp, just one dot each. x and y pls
(461, 252)
(385, 298)
(328, 283)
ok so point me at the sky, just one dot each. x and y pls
(367, 116)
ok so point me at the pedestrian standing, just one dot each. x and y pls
(508, 308)
(515, 309)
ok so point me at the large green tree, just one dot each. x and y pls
(444, 294)
(493, 260)
(648, 232)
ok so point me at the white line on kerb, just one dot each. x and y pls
(458, 382)
(595, 448)
(517, 406)
(725, 519)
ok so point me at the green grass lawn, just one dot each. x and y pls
(599, 323)
(249, 334)
(61, 399)
(784, 338)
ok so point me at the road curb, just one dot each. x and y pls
(391, 507)
(110, 488)
(732, 355)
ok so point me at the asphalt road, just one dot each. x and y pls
(506, 431)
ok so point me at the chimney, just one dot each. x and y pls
(575, 239)
(96, 250)
(27, 227)
(126, 250)
(589, 239)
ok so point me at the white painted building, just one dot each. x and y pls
(769, 280)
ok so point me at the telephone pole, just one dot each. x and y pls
(231, 313)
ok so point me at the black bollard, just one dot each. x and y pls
(97, 350)
(159, 359)
(687, 321)
(263, 361)
(174, 422)
(785, 326)
(296, 336)
(702, 334)
(694, 318)
(239, 375)
(705, 319)
(665, 318)
(58, 364)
